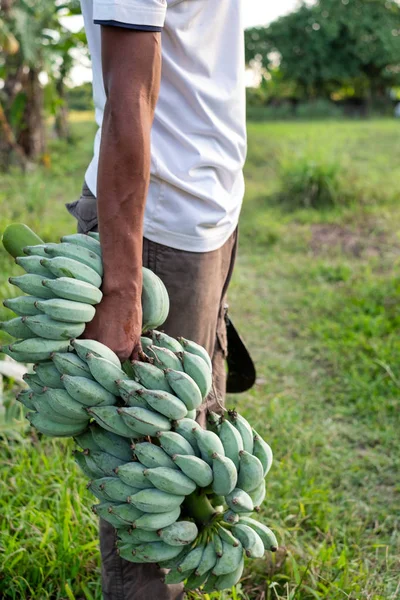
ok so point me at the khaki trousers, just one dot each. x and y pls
(197, 285)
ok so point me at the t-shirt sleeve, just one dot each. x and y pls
(150, 13)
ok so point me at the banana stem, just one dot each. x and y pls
(198, 506)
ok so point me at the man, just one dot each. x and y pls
(165, 187)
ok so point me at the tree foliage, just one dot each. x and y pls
(33, 43)
(326, 45)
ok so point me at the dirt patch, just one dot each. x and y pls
(360, 242)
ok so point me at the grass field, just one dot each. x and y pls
(316, 296)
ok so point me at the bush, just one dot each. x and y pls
(312, 183)
(318, 109)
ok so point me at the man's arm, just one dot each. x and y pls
(131, 71)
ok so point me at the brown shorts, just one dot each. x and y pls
(197, 285)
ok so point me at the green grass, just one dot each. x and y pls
(316, 296)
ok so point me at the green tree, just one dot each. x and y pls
(326, 45)
(32, 42)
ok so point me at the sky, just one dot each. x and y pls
(256, 12)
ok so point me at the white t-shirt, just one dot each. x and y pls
(198, 141)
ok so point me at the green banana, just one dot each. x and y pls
(174, 562)
(219, 550)
(37, 349)
(128, 385)
(31, 284)
(133, 474)
(199, 371)
(171, 481)
(70, 268)
(108, 418)
(133, 399)
(48, 375)
(179, 533)
(156, 521)
(194, 348)
(43, 406)
(94, 488)
(73, 289)
(231, 517)
(146, 343)
(144, 421)
(129, 514)
(151, 552)
(103, 461)
(231, 441)
(45, 327)
(185, 428)
(195, 468)
(33, 382)
(244, 429)
(227, 536)
(208, 560)
(258, 495)
(94, 234)
(155, 501)
(31, 264)
(22, 305)
(137, 536)
(230, 559)
(153, 456)
(192, 414)
(90, 471)
(105, 372)
(87, 392)
(224, 475)
(239, 501)
(268, 537)
(65, 405)
(85, 347)
(25, 398)
(84, 241)
(113, 444)
(165, 359)
(250, 540)
(209, 586)
(126, 552)
(251, 472)
(67, 311)
(173, 443)
(185, 388)
(116, 490)
(230, 579)
(103, 511)
(37, 250)
(165, 403)
(194, 581)
(191, 560)
(78, 253)
(162, 340)
(263, 452)
(17, 328)
(208, 443)
(150, 377)
(85, 440)
(70, 364)
(155, 301)
(53, 429)
(174, 576)
(213, 421)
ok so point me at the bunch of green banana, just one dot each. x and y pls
(178, 494)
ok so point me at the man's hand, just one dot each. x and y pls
(118, 324)
(131, 71)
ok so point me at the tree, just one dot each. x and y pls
(328, 44)
(32, 42)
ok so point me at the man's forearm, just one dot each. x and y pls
(131, 71)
